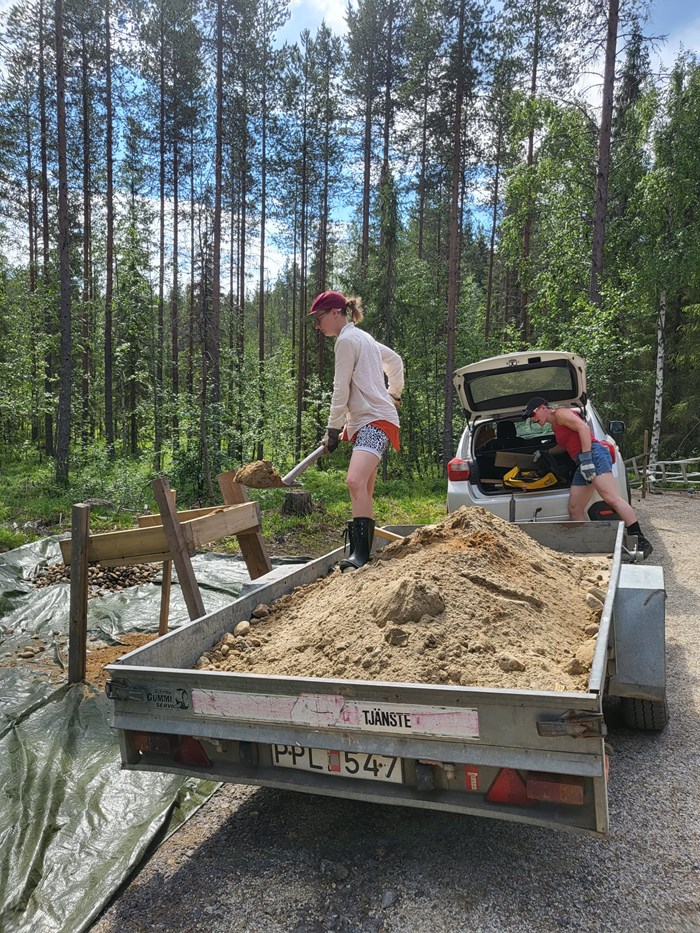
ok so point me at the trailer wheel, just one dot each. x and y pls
(649, 715)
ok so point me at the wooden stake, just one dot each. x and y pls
(77, 626)
(166, 586)
(178, 548)
(251, 542)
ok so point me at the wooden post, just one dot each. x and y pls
(252, 542)
(178, 548)
(77, 626)
(645, 461)
(166, 587)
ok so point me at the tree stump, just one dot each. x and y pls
(297, 502)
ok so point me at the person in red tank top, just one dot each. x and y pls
(594, 465)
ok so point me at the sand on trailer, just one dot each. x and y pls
(473, 600)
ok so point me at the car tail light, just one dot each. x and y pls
(190, 752)
(458, 471)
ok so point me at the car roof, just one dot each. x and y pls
(503, 384)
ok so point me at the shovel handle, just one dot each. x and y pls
(296, 471)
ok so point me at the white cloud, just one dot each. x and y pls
(333, 12)
(686, 37)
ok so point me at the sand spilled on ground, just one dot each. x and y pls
(472, 601)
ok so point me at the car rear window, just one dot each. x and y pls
(509, 388)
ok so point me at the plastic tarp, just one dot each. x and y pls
(73, 826)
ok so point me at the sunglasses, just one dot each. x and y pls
(532, 414)
(317, 317)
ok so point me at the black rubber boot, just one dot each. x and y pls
(642, 543)
(349, 537)
(363, 534)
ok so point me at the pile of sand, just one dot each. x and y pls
(473, 601)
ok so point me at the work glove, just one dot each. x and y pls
(331, 439)
(586, 465)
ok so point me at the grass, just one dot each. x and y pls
(32, 505)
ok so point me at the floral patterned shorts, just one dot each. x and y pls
(371, 439)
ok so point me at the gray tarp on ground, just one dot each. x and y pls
(72, 824)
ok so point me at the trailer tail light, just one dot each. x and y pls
(190, 752)
(555, 788)
(509, 787)
(155, 743)
(458, 471)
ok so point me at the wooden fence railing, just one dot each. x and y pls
(681, 473)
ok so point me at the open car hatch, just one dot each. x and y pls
(503, 384)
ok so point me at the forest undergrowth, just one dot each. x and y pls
(33, 505)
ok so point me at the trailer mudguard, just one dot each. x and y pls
(637, 641)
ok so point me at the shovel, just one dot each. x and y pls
(295, 472)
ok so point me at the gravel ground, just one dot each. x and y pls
(266, 861)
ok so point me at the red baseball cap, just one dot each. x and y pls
(326, 301)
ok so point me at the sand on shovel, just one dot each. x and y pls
(259, 475)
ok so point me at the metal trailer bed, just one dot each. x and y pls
(527, 756)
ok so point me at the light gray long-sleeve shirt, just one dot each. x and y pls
(359, 393)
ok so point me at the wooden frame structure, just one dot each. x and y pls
(170, 537)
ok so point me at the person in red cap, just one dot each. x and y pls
(363, 409)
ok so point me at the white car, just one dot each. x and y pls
(497, 446)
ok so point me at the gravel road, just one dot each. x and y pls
(266, 861)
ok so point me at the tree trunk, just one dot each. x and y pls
(603, 167)
(87, 240)
(261, 287)
(659, 386)
(109, 413)
(367, 160)
(454, 244)
(160, 326)
(49, 322)
(63, 427)
(527, 229)
(175, 296)
(492, 241)
(215, 322)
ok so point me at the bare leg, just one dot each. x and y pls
(604, 484)
(579, 497)
(360, 480)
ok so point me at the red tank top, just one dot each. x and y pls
(568, 439)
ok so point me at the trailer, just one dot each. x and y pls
(534, 757)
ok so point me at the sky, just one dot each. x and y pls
(679, 20)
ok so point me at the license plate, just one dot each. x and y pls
(345, 764)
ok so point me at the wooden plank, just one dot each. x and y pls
(166, 586)
(165, 597)
(178, 547)
(77, 624)
(229, 520)
(251, 542)
(387, 535)
(150, 521)
(132, 546)
(150, 544)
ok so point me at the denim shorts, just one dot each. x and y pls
(372, 439)
(602, 461)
